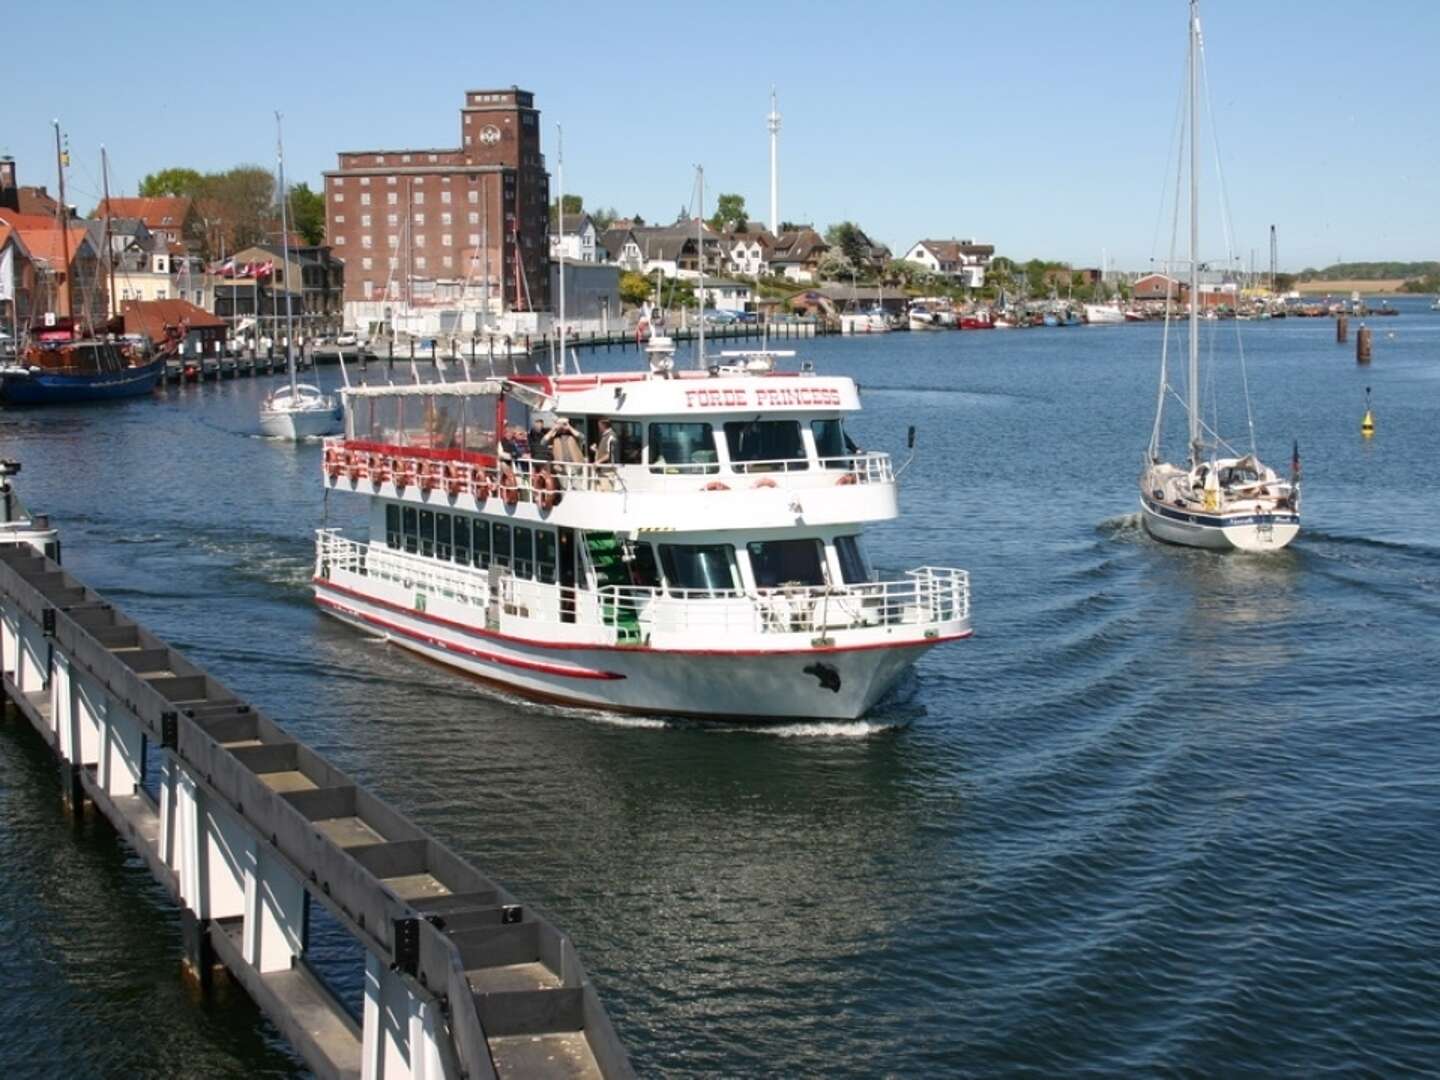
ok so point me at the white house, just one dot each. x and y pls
(733, 296)
(580, 241)
(748, 253)
(964, 261)
(619, 246)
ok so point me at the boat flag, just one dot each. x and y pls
(264, 269)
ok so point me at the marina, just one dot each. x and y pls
(702, 870)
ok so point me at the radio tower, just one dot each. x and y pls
(773, 122)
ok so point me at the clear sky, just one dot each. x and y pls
(1042, 127)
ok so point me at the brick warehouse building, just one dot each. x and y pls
(436, 227)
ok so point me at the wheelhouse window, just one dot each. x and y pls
(480, 541)
(443, 537)
(427, 533)
(462, 540)
(854, 569)
(777, 563)
(831, 443)
(682, 447)
(765, 445)
(393, 537)
(412, 529)
(524, 552)
(701, 567)
(501, 543)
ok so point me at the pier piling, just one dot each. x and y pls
(1342, 328)
(1362, 344)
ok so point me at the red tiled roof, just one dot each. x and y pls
(150, 317)
(36, 200)
(158, 212)
(40, 236)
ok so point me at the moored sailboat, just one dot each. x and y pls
(1218, 499)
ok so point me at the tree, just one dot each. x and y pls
(637, 219)
(834, 266)
(574, 205)
(790, 226)
(307, 212)
(634, 289)
(174, 181)
(729, 213)
(850, 240)
(604, 217)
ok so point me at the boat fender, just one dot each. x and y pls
(716, 485)
(509, 488)
(542, 487)
(763, 482)
(847, 478)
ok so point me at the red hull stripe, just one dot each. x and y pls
(476, 631)
(451, 647)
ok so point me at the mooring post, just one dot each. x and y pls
(1362, 345)
(1342, 328)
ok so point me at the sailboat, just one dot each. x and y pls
(65, 359)
(1223, 503)
(297, 410)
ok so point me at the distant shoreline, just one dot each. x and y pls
(1372, 287)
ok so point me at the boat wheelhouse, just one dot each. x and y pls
(710, 562)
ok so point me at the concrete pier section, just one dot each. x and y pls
(250, 827)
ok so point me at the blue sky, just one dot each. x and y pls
(1042, 127)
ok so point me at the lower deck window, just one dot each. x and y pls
(444, 535)
(462, 540)
(776, 563)
(427, 533)
(853, 568)
(702, 567)
(411, 521)
(545, 556)
(393, 536)
(500, 541)
(480, 539)
(524, 565)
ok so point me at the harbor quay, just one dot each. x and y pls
(248, 829)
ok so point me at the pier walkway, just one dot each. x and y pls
(250, 827)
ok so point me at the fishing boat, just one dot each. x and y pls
(1218, 498)
(707, 559)
(1104, 313)
(923, 318)
(298, 410)
(66, 361)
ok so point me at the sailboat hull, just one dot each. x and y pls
(1219, 532)
(24, 387)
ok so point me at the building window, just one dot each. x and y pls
(474, 239)
(338, 181)
(434, 157)
(420, 220)
(339, 240)
(379, 159)
(393, 241)
(365, 220)
(394, 262)
(365, 199)
(446, 239)
(405, 159)
(420, 240)
(445, 195)
(390, 181)
(364, 181)
(467, 137)
(392, 219)
(473, 217)
(445, 218)
(367, 289)
(339, 219)
(474, 195)
(420, 262)
(392, 198)
(365, 240)
(367, 263)
(419, 198)
(449, 262)
(338, 196)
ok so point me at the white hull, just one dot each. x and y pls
(300, 424)
(918, 322)
(1103, 313)
(1220, 532)
(817, 683)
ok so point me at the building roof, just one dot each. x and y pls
(613, 240)
(754, 235)
(151, 317)
(36, 200)
(957, 250)
(798, 245)
(574, 223)
(158, 212)
(41, 237)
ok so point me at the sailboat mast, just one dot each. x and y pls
(560, 223)
(1193, 380)
(111, 308)
(60, 214)
(285, 259)
(700, 255)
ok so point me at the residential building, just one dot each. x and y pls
(256, 281)
(87, 298)
(172, 218)
(580, 241)
(797, 254)
(199, 332)
(619, 245)
(963, 261)
(748, 252)
(17, 280)
(732, 296)
(592, 296)
(147, 267)
(464, 225)
(1156, 286)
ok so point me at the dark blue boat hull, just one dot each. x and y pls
(39, 388)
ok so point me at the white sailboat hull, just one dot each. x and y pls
(1246, 531)
(300, 425)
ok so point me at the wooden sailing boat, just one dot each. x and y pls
(1224, 503)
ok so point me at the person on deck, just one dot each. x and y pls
(606, 455)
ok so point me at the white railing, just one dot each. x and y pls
(926, 599)
(520, 480)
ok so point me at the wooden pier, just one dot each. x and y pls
(251, 827)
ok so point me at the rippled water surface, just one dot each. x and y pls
(1166, 809)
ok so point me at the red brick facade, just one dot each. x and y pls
(469, 210)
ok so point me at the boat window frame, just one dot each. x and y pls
(410, 528)
(667, 567)
(858, 553)
(522, 551)
(547, 543)
(682, 467)
(461, 551)
(427, 535)
(818, 549)
(444, 537)
(734, 429)
(394, 534)
(480, 546)
(497, 558)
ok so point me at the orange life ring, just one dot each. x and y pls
(480, 485)
(847, 478)
(543, 489)
(454, 479)
(763, 482)
(716, 485)
(508, 487)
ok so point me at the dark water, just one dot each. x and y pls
(1166, 810)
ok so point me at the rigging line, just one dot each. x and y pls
(1177, 137)
(1229, 231)
(1169, 302)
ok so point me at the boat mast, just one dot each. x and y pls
(64, 228)
(560, 224)
(700, 255)
(1193, 380)
(111, 308)
(285, 259)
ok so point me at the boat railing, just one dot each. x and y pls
(528, 479)
(925, 598)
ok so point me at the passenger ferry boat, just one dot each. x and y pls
(714, 569)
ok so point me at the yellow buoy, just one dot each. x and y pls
(1367, 422)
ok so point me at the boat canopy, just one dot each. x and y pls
(451, 417)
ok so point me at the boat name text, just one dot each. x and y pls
(766, 397)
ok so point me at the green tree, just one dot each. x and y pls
(604, 217)
(834, 266)
(173, 181)
(848, 238)
(307, 212)
(729, 213)
(574, 204)
(634, 289)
